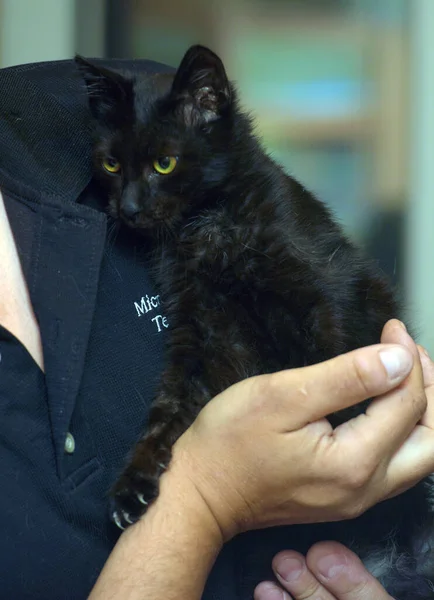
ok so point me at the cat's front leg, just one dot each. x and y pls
(138, 485)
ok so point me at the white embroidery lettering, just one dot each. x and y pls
(160, 320)
(146, 304)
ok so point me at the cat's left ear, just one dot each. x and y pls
(108, 91)
(201, 86)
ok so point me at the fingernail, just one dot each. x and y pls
(331, 565)
(397, 361)
(289, 569)
(269, 591)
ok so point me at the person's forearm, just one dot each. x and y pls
(168, 554)
(16, 311)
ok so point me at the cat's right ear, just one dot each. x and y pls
(201, 87)
(106, 89)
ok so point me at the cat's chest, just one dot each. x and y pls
(214, 242)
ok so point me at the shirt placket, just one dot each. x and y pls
(64, 288)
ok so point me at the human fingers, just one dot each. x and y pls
(295, 578)
(268, 590)
(343, 381)
(412, 462)
(391, 417)
(395, 332)
(329, 572)
(428, 377)
(414, 459)
(343, 574)
(392, 333)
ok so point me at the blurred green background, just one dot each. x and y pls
(342, 91)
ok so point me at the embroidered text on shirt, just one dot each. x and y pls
(148, 304)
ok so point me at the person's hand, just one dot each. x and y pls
(263, 454)
(330, 572)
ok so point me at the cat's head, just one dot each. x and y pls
(162, 141)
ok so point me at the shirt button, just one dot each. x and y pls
(69, 443)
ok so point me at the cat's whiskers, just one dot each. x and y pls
(167, 232)
(333, 254)
(255, 250)
(112, 234)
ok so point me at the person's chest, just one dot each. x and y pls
(65, 434)
(126, 349)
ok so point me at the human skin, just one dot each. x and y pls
(328, 572)
(16, 312)
(263, 421)
(214, 489)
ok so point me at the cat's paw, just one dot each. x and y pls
(131, 496)
(136, 489)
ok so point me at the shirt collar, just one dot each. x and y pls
(45, 143)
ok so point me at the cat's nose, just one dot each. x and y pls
(130, 210)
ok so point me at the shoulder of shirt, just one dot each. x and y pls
(63, 70)
(44, 126)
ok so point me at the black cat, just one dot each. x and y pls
(255, 277)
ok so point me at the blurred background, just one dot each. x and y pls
(342, 91)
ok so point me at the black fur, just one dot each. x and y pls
(254, 274)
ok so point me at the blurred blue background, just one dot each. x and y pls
(342, 91)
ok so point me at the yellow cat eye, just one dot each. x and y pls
(111, 165)
(165, 164)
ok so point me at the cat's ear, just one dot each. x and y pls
(201, 86)
(106, 89)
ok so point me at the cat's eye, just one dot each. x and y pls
(165, 164)
(111, 165)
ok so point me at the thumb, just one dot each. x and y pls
(343, 574)
(344, 381)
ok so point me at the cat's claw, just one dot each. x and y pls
(138, 485)
(142, 500)
(117, 520)
(128, 518)
(122, 519)
(131, 497)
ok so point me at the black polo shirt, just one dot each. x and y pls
(64, 435)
